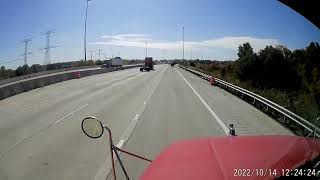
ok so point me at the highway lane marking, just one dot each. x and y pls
(41, 129)
(70, 113)
(222, 125)
(57, 121)
(120, 143)
(106, 167)
(117, 77)
(136, 117)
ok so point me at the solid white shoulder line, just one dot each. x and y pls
(216, 117)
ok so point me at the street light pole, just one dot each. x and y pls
(183, 43)
(163, 54)
(85, 32)
(146, 49)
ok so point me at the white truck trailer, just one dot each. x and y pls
(114, 62)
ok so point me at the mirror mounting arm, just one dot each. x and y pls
(115, 149)
(111, 151)
(131, 154)
(93, 128)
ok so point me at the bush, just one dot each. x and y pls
(192, 64)
(289, 78)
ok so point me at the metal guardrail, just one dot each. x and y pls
(307, 128)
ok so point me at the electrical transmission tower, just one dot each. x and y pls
(26, 53)
(99, 51)
(47, 47)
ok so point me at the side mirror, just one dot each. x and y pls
(92, 127)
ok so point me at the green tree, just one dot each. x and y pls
(35, 68)
(192, 64)
(245, 66)
(2, 70)
(245, 50)
(3, 74)
(99, 62)
(312, 64)
(19, 71)
(276, 70)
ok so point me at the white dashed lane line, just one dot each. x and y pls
(41, 129)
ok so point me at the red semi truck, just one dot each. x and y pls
(148, 64)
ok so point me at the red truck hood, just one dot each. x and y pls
(219, 158)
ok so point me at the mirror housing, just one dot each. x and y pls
(92, 127)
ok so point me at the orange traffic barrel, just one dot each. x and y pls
(77, 74)
(212, 80)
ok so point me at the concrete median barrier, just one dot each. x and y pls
(19, 78)
(33, 83)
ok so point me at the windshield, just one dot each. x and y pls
(155, 73)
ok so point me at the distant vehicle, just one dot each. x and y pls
(104, 66)
(114, 62)
(148, 64)
(66, 66)
(172, 64)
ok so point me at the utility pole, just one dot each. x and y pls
(99, 53)
(85, 32)
(163, 54)
(91, 55)
(26, 53)
(47, 48)
(146, 49)
(183, 43)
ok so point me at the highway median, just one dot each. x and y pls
(18, 87)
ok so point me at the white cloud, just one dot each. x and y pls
(224, 48)
(127, 37)
(139, 40)
(234, 42)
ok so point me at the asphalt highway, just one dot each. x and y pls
(41, 137)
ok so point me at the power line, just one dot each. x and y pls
(26, 53)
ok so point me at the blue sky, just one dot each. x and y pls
(213, 29)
